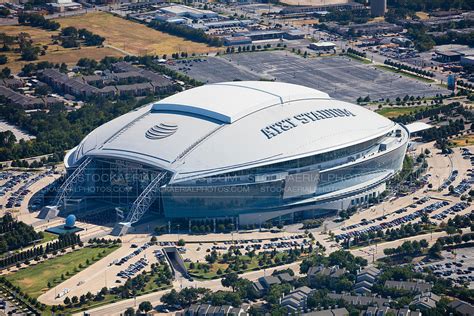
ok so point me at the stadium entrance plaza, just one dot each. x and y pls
(103, 273)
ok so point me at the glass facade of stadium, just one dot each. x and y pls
(255, 190)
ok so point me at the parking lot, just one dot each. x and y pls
(458, 266)
(198, 251)
(439, 206)
(15, 186)
(341, 77)
(19, 134)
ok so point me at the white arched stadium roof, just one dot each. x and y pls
(224, 127)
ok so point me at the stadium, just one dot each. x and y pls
(250, 151)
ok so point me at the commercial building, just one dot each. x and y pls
(316, 9)
(378, 7)
(250, 151)
(369, 29)
(237, 40)
(190, 12)
(322, 46)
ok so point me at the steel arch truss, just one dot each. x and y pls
(143, 202)
(66, 188)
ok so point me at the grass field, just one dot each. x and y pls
(132, 37)
(392, 112)
(48, 237)
(34, 279)
(54, 53)
(465, 140)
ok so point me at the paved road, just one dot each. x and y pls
(154, 298)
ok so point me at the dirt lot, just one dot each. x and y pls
(54, 53)
(132, 37)
(302, 22)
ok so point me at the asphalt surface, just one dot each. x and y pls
(341, 77)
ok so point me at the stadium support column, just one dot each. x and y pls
(141, 205)
(145, 199)
(66, 188)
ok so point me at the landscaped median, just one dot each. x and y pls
(233, 261)
(361, 59)
(404, 73)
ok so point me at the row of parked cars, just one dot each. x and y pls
(159, 254)
(366, 222)
(455, 270)
(287, 244)
(133, 269)
(12, 180)
(462, 187)
(456, 208)
(395, 222)
(450, 180)
(18, 195)
(133, 254)
(257, 244)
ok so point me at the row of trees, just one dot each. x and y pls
(24, 299)
(453, 37)
(447, 110)
(408, 248)
(16, 234)
(401, 66)
(356, 52)
(191, 34)
(37, 20)
(443, 132)
(390, 234)
(430, 5)
(341, 258)
(464, 84)
(344, 17)
(53, 247)
(435, 250)
(31, 68)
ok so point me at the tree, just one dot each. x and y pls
(145, 306)
(171, 298)
(30, 53)
(181, 242)
(230, 280)
(3, 59)
(129, 312)
(67, 301)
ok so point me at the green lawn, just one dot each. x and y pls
(392, 112)
(48, 237)
(34, 279)
(252, 265)
(406, 74)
